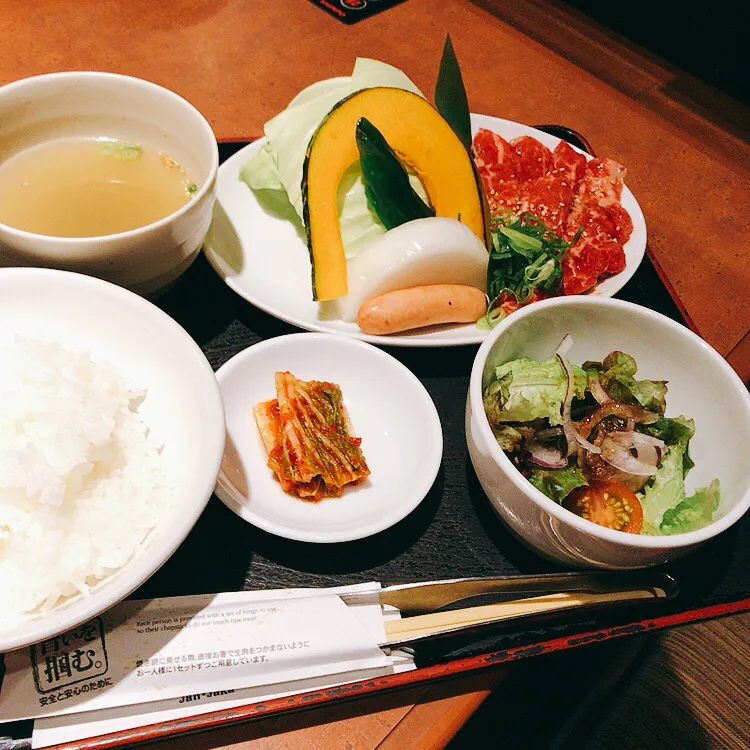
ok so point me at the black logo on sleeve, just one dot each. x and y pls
(70, 658)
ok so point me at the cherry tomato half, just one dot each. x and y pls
(609, 504)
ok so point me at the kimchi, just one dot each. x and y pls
(308, 437)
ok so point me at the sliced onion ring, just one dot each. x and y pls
(617, 409)
(590, 447)
(565, 344)
(567, 423)
(633, 439)
(622, 459)
(546, 456)
(648, 448)
(598, 392)
(639, 439)
(649, 454)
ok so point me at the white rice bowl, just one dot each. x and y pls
(161, 399)
(82, 483)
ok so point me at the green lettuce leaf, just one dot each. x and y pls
(557, 484)
(288, 136)
(650, 394)
(674, 431)
(526, 389)
(508, 437)
(666, 490)
(617, 376)
(693, 512)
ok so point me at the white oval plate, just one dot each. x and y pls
(265, 260)
(389, 408)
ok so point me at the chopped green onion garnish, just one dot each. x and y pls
(120, 150)
(524, 257)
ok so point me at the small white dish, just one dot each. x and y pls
(389, 408)
(265, 259)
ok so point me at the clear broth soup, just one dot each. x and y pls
(88, 187)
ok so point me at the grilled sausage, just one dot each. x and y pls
(420, 306)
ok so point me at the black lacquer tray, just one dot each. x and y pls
(453, 533)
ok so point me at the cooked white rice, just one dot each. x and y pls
(82, 482)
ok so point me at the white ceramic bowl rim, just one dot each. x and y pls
(130, 233)
(550, 506)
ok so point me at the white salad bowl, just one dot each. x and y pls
(182, 410)
(94, 105)
(701, 386)
(389, 408)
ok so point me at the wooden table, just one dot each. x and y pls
(240, 62)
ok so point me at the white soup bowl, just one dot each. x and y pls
(90, 104)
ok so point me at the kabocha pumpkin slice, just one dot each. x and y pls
(420, 138)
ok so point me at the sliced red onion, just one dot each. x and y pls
(649, 454)
(617, 409)
(590, 447)
(544, 455)
(647, 417)
(622, 459)
(648, 448)
(567, 423)
(598, 392)
(632, 439)
(581, 456)
(645, 451)
(565, 345)
(639, 440)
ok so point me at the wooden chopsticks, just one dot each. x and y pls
(419, 625)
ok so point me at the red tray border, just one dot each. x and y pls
(218, 719)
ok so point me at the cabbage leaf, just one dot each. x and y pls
(279, 164)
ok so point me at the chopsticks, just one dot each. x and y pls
(421, 626)
(427, 609)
